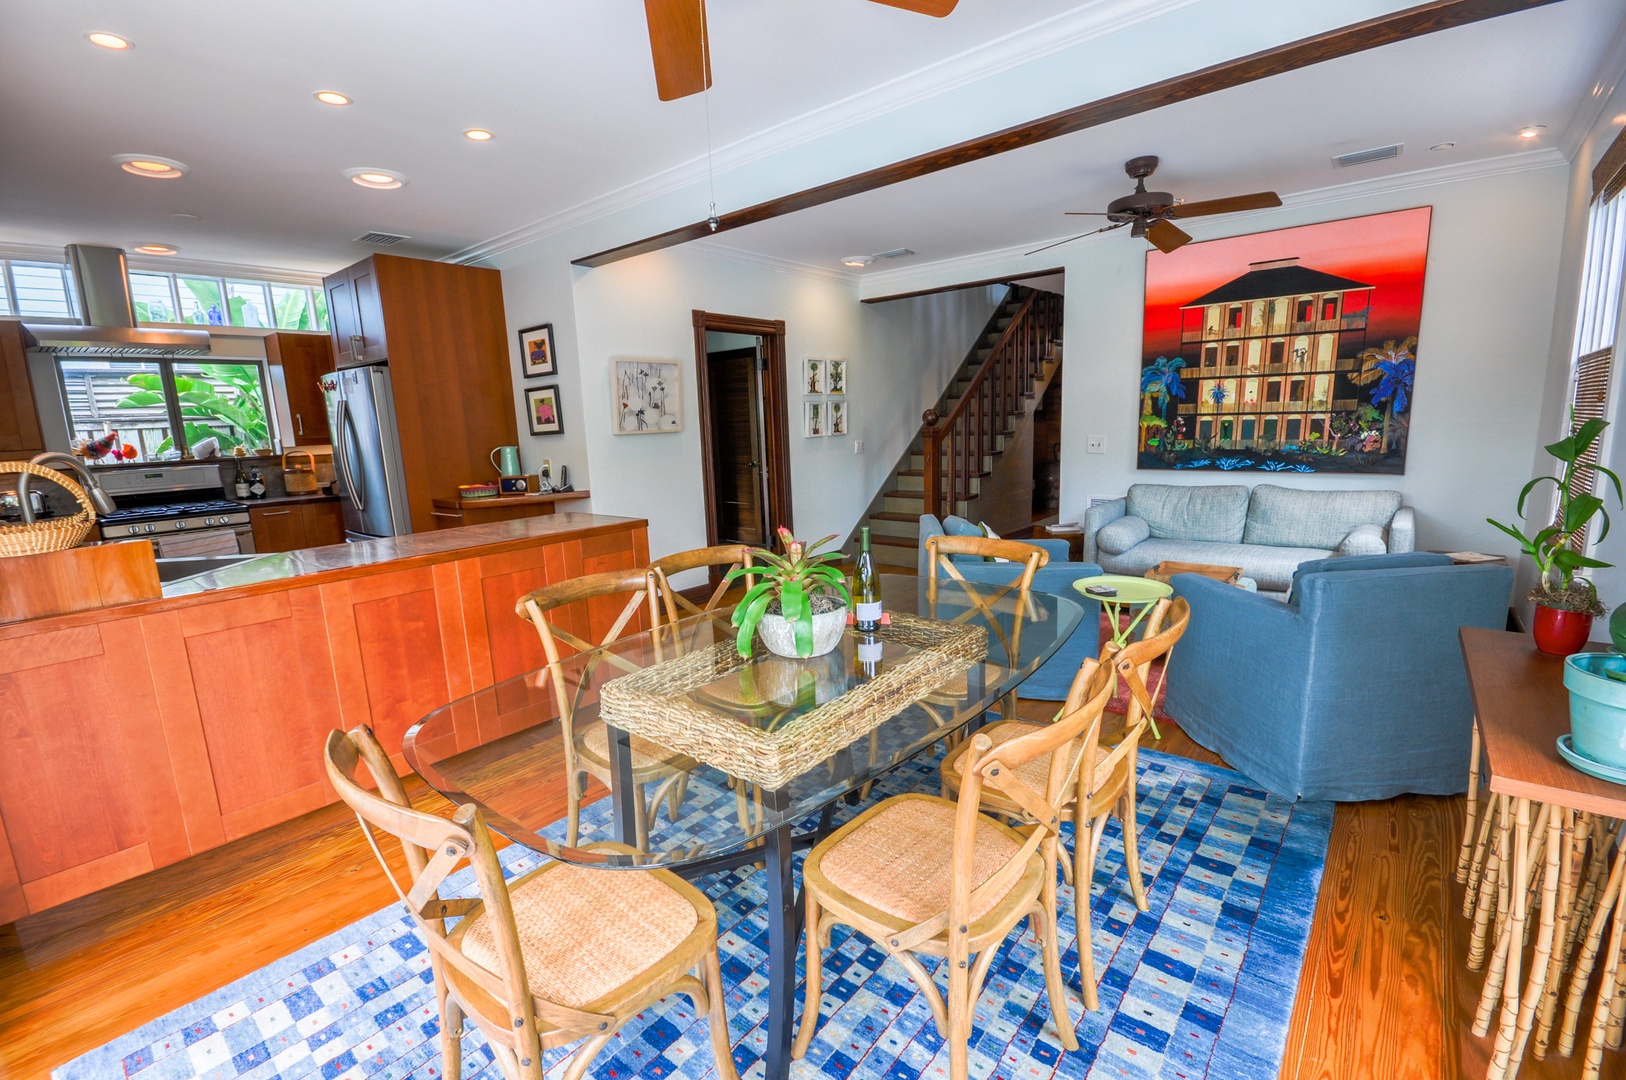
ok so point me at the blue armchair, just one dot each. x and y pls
(1051, 681)
(1353, 689)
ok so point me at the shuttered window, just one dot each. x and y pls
(1596, 323)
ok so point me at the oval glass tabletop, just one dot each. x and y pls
(669, 741)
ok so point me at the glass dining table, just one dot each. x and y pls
(757, 754)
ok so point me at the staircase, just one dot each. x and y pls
(964, 434)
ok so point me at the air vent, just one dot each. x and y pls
(381, 239)
(895, 253)
(1361, 157)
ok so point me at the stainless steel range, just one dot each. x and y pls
(179, 508)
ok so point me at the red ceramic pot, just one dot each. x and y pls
(1561, 633)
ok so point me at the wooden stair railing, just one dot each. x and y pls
(954, 446)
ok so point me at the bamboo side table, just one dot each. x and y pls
(1541, 814)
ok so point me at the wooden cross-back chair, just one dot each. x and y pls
(727, 556)
(586, 742)
(923, 875)
(1107, 778)
(560, 954)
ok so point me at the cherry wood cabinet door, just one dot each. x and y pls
(304, 359)
(278, 528)
(323, 522)
(19, 417)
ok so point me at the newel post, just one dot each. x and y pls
(931, 451)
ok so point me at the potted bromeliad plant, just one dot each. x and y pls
(799, 601)
(1565, 602)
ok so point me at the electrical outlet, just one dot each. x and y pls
(1095, 444)
(547, 467)
(858, 446)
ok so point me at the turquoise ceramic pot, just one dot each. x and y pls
(1597, 707)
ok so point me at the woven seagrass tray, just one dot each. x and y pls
(659, 702)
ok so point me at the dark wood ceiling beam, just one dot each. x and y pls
(1359, 37)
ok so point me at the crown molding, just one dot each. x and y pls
(763, 261)
(1058, 33)
(983, 262)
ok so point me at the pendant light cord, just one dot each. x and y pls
(705, 63)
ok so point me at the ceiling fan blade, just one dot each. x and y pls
(935, 8)
(1259, 200)
(1080, 236)
(1166, 237)
(677, 42)
(1085, 213)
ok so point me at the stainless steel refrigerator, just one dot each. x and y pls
(367, 451)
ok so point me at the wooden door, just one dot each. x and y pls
(737, 440)
(19, 418)
(369, 313)
(774, 427)
(343, 324)
(278, 528)
(304, 359)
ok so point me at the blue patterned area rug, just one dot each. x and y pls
(1200, 986)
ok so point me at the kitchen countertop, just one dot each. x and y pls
(282, 500)
(511, 500)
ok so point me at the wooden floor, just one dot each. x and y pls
(1384, 994)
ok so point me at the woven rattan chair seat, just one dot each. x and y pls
(583, 932)
(898, 857)
(1036, 772)
(645, 754)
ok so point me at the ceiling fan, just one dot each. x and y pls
(1151, 213)
(678, 40)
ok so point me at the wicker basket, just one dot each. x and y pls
(299, 479)
(58, 534)
(659, 703)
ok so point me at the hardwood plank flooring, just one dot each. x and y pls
(1385, 990)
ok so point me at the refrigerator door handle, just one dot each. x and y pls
(347, 436)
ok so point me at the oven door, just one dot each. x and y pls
(228, 541)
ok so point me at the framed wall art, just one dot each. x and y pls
(814, 420)
(542, 410)
(1286, 351)
(835, 376)
(838, 417)
(536, 355)
(648, 397)
(813, 376)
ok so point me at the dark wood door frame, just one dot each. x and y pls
(775, 411)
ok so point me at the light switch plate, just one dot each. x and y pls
(858, 446)
(1095, 444)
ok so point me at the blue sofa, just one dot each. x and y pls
(1353, 689)
(1267, 531)
(1052, 680)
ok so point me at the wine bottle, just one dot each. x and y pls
(866, 588)
(868, 656)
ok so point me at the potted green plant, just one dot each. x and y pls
(799, 601)
(1565, 603)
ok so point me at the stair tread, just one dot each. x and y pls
(893, 515)
(901, 494)
(893, 541)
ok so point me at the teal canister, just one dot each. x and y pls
(506, 459)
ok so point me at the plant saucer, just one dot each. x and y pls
(1611, 773)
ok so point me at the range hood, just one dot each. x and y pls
(102, 281)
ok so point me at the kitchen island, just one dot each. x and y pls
(137, 734)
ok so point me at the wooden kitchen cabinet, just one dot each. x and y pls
(442, 329)
(323, 521)
(20, 436)
(304, 359)
(278, 528)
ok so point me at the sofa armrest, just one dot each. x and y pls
(1097, 516)
(1403, 531)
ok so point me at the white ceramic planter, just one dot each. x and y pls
(780, 637)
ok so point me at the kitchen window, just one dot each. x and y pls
(44, 290)
(164, 407)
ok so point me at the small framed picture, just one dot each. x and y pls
(536, 356)
(813, 377)
(835, 377)
(542, 410)
(813, 419)
(647, 396)
(838, 417)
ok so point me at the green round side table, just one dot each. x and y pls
(1132, 592)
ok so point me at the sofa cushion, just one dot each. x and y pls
(1294, 517)
(1117, 537)
(1217, 513)
(1403, 561)
(955, 525)
(1271, 567)
(1364, 540)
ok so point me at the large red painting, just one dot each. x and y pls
(1285, 351)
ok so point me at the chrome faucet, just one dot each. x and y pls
(101, 500)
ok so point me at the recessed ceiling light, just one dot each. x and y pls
(150, 165)
(157, 249)
(331, 97)
(381, 179)
(109, 41)
(478, 135)
(858, 260)
(1442, 145)
(1531, 132)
